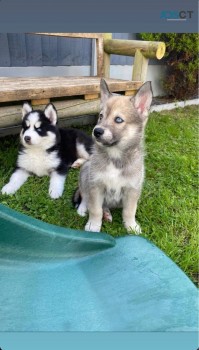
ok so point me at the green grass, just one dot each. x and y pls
(167, 210)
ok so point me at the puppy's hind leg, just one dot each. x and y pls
(82, 209)
(107, 215)
(78, 163)
(79, 203)
(82, 154)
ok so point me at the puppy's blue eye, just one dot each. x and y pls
(38, 129)
(118, 120)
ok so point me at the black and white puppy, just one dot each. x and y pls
(46, 149)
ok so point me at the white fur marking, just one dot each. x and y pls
(37, 125)
(33, 118)
(133, 226)
(114, 152)
(56, 185)
(16, 181)
(51, 114)
(81, 151)
(26, 109)
(37, 161)
(93, 226)
(36, 139)
(107, 135)
(113, 179)
(82, 154)
(78, 163)
(82, 209)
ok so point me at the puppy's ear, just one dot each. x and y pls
(142, 100)
(51, 113)
(26, 108)
(105, 93)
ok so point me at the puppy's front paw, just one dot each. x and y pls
(133, 227)
(55, 193)
(93, 226)
(56, 187)
(8, 189)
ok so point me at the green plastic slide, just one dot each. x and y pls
(59, 279)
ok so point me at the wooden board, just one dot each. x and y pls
(91, 96)
(74, 35)
(11, 115)
(20, 89)
(38, 102)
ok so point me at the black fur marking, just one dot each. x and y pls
(24, 126)
(21, 148)
(66, 149)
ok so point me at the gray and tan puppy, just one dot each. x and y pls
(114, 175)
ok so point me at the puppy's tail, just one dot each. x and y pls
(77, 198)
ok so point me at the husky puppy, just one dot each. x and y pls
(114, 174)
(47, 150)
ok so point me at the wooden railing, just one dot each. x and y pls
(85, 90)
(106, 46)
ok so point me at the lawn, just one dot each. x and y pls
(167, 211)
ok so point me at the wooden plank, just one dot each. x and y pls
(130, 92)
(76, 121)
(91, 96)
(11, 115)
(38, 102)
(20, 89)
(74, 35)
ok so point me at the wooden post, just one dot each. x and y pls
(140, 67)
(100, 50)
(106, 70)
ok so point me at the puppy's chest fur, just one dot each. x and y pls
(38, 161)
(116, 180)
(113, 182)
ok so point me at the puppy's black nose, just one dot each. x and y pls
(98, 132)
(27, 139)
